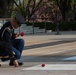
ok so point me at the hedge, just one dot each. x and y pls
(52, 26)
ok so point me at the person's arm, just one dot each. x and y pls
(6, 38)
(14, 35)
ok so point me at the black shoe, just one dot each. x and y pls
(12, 64)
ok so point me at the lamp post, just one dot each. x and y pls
(74, 10)
(45, 25)
(57, 29)
(57, 23)
(33, 19)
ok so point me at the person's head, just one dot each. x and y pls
(18, 20)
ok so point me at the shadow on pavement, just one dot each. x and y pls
(47, 44)
(48, 58)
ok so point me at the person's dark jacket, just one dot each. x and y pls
(6, 35)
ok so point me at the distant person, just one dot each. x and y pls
(9, 44)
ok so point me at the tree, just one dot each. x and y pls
(32, 9)
(6, 8)
(65, 7)
(29, 7)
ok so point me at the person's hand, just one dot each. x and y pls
(16, 63)
(16, 35)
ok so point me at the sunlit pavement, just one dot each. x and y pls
(57, 52)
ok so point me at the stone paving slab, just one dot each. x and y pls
(44, 48)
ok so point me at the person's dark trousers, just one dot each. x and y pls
(17, 47)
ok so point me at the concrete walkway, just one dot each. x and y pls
(49, 49)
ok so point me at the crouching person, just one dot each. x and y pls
(10, 45)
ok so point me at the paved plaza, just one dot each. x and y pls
(57, 52)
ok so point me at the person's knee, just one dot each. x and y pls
(18, 55)
(22, 41)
